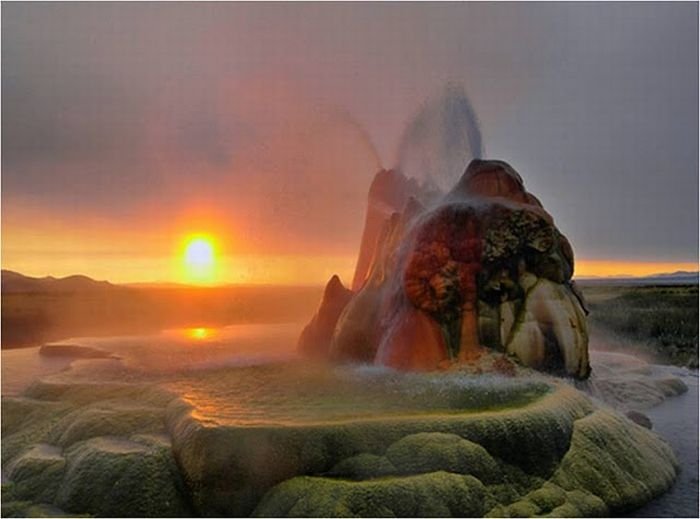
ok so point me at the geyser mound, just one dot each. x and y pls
(482, 269)
(308, 439)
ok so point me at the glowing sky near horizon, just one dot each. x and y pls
(128, 126)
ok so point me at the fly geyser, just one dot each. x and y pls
(477, 279)
(463, 289)
(445, 279)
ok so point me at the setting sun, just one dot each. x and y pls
(198, 333)
(199, 252)
(199, 259)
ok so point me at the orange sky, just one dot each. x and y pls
(157, 255)
(105, 251)
(261, 269)
(612, 268)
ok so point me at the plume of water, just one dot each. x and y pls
(441, 139)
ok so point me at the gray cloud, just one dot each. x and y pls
(106, 106)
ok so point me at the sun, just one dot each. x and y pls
(198, 334)
(199, 259)
(199, 252)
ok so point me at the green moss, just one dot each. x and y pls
(113, 477)
(15, 508)
(20, 412)
(586, 503)
(438, 494)
(616, 460)
(543, 449)
(93, 474)
(114, 419)
(523, 509)
(513, 484)
(548, 497)
(497, 511)
(26, 422)
(12, 506)
(37, 474)
(363, 466)
(69, 387)
(30, 509)
(552, 501)
(431, 452)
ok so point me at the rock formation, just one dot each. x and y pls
(439, 280)
(388, 193)
(318, 333)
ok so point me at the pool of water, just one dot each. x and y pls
(170, 352)
(297, 392)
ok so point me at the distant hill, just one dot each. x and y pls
(679, 274)
(40, 310)
(14, 282)
(680, 277)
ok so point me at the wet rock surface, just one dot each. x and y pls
(305, 440)
(481, 267)
(439, 474)
(316, 336)
(73, 351)
(90, 449)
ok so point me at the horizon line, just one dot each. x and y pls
(178, 284)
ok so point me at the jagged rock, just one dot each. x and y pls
(388, 193)
(485, 267)
(640, 419)
(414, 342)
(359, 328)
(315, 339)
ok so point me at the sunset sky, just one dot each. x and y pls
(128, 128)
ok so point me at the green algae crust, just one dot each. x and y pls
(90, 449)
(229, 468)
(433, 447)
(612, 466)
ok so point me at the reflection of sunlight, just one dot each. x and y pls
(198, 333)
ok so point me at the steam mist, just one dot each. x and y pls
(441, 139)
